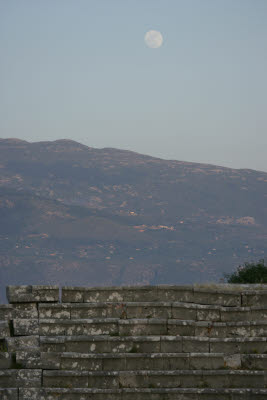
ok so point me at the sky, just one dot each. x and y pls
(80, 69)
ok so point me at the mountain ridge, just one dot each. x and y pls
(72, 213)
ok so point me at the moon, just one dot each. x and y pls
(153, 39)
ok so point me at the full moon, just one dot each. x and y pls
(153, 39)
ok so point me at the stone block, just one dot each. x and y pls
(22, 343)
(258, 328)
(258, 313)
(140, 294)
(5, 360)
(54, 311)
(54, 344)
(16, 378)
(254, 298)
(149, 310)
(208, 313)
(81, 362)
(4, 329)
(9, 394)
(103, 380)
(72, 294)
(238, 345)
(6, 312)
(193, 344)
(206, 361)
(181, 328)
(235, 314)
(65, 379)
(57, 327)
(176, 293)
(95, 310)
(217, 297)
(32, 294)
(100, 295)
(184, 311)
(171, 344)
(26, 327)
(225, 329)
(35, 359)
(137, 327)
(254, 361)
(69, 394)
(232, 361)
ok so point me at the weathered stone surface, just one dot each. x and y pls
(30, 294)
(94, 326)
(175, 293)
(14, 378)
(254, 361)
(193, 344)
(6, 312)
(139, 310)
(135, 343)
(220, 297)
(26, 327)
(54, 311)
(238, 345)
(142, 394)
(208, 313)
(254, 297)
(101, 344)
(4, 329)
(35, 359)
(5, 360)
(136, 327)
(235, 314)
(65, 379)
(184, 311)
(9, 394)
(132, 361)
(22, 343)
(181, 328)
(72, 294)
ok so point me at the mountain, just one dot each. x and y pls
(71, 214)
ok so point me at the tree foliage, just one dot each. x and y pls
(249, 273)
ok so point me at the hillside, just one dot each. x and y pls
(71, 214)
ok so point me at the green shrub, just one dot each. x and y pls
(249, 273)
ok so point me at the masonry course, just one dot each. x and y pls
(191, 342)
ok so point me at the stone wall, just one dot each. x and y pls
(196, 342)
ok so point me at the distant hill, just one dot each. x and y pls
(71, 214)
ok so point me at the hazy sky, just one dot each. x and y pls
(80, 69)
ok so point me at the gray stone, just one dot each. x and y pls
(136, 327)
(94, 326)
(219, 297)
(176, 293)
(193, 344)
(184, 311)
(54, 311)
(5, 360)
(38, 360)
(148, 310)
(6, 312)
(65, 379)
(254, 297)
(15, 378)
(4, 329)
(22, 343)
(26, 327)
(9, 394)
(30, 294)
(181, 328)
